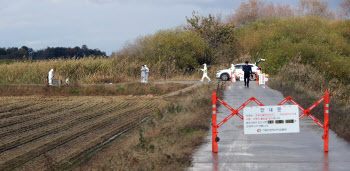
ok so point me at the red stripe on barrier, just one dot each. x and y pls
(315, 120)
(294, 102)
(220, 124)
(258, 102)
(247, 102)
(314, 105)
(226, 119)
(319, 123)
(320, 100)
(226, 105)
(283, 102)
(243, 105)
(240, 116)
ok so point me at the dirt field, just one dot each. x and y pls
(38, 133)
(92, 90)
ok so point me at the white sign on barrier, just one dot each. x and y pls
(271, 119)
(241, 78)
(262, 78)
(266, 77)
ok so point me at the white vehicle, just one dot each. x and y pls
(225, 74)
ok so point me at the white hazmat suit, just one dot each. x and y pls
(143, 74)
(233, 73)
(50, 76)
(205, 73)
(147, 71)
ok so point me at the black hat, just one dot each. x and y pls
(246, 62)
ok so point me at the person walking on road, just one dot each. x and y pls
(247, 69)
(233, 73)
(205, 73)
(143, 74)
(147, 71)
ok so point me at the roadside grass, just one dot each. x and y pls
(92, 90)
(165, 142)
(306, 86)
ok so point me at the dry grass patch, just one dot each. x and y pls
(306, 86)
(96, 71)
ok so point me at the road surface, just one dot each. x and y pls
(295, 151)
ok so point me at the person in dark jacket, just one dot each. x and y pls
(247, 71)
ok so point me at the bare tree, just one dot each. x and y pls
(283, 11)
(344, 11)
(257, 9)
(314, 8)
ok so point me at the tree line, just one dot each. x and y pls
(213, 39)
(256, 30)
(27, 53)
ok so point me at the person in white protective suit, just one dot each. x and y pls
(147, 71)
(50, 76)
(233, 71)
(143, 74)
(205, 73)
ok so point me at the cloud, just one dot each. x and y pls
(103, 2)
(34, 43)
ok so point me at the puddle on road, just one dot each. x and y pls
(239, 126)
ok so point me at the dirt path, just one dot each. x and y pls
(113, 84)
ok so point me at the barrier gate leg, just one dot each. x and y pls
(214, 126)
(326, 121)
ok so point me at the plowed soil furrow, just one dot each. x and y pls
(28, 119)
(44, 132)
(15, 107)
(55, 109)
(41, 129)
(71, 155)
(5, 102)
(64, 139)
(44, 140)
(28, 110)
(67, 129)
(14, 103)
(68, 122)
(39, 119)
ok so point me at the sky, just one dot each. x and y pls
(100, 24)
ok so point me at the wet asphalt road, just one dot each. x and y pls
(295, 151)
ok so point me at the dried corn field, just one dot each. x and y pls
(56, 133)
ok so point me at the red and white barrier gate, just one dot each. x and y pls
(325, 126)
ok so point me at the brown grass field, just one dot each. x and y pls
(53, 132)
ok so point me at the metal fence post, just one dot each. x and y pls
(214, 126)
(326, 121)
